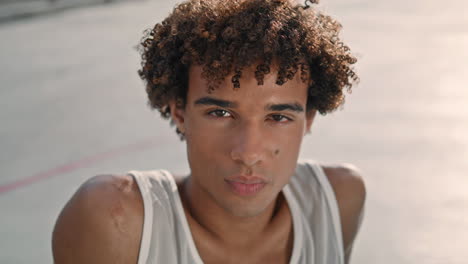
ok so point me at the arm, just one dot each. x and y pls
(350, 192)
(102, 223)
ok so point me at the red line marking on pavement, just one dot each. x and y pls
(74, 165)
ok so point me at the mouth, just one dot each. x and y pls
(246, 185)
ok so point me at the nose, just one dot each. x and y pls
(249, 145)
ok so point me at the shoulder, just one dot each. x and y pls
(350, 191)
(347, 182)
(101, 223)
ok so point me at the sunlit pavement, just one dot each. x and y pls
(72, 106)
(10, 10)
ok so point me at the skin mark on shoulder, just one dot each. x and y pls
(117, 213)
(124, 193)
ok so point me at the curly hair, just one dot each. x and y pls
(227, 36)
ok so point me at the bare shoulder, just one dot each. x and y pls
(347, 182)
(350, 191)
(101, 223)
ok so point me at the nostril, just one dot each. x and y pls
(247, 158)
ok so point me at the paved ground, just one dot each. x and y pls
(10, 10)
(72, 106)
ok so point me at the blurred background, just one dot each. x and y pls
(72, 106)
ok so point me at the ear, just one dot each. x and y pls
(178, 114)
(310, 115)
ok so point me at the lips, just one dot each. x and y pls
(246, 185)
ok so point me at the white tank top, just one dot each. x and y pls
(167, 238)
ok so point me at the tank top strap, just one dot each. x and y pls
(332, 202)
(144, 184)
(166, 235)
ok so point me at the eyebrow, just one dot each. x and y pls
(213, 101)
(295, 107)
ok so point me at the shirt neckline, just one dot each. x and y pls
(297, 228)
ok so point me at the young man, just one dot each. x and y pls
(242, 82)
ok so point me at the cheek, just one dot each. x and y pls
(286, 153)
(204, 142)
(287, 141)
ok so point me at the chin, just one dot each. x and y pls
(246, 212)
(246, 208)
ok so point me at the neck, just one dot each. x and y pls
(221, 226)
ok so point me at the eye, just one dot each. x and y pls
(219, 113)
(280, 118)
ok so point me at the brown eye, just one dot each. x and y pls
(280, 118)
(219, 113)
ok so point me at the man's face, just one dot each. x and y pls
(243, 144)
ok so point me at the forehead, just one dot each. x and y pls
(249, 92)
